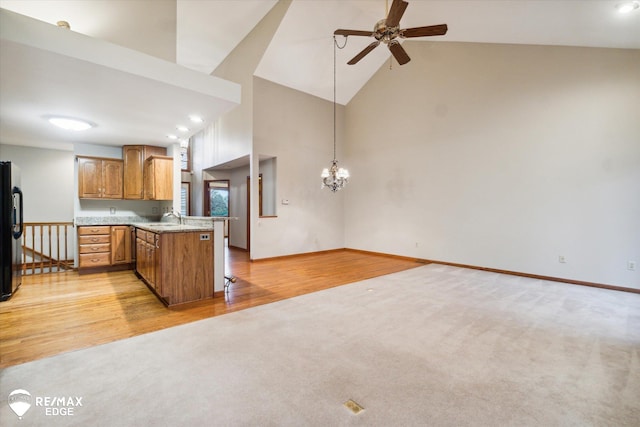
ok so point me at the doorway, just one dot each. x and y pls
(216, 200)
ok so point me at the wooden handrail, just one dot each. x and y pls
(47, 247)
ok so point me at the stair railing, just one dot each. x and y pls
(48, 247)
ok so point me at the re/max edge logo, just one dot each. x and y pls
(20, 401)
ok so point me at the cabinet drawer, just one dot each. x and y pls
(95, 260)
(98, 229)
(141, 234)
(151, 238)
(98, 247)
(90, 240)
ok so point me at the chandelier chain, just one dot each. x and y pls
(334, 177)
(335, 44)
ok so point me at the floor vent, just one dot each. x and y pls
(353, 407)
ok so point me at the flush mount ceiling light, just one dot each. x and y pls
(70, 123)
(628, 6)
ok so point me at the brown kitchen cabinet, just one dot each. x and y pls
(94, 244)
(120, 244)
(104, 247)
(177, 266)
(134, 157)
(158, 178)
(100, 178)
(147, 261)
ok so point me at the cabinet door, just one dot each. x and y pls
(156, 263)
(140, 256)
(133, 156)
(120, 244)
(89, 178)
(158, 179)
(112, 171)
(150, 265)
(164, 179)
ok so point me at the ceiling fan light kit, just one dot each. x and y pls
(388, 31)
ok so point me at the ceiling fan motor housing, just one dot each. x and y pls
(383, 33)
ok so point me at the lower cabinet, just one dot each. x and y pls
(94, 244)
(177, 266)
(147, 260)
(120, 244)
(102, 247)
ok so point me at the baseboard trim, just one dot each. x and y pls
(538, 276)
(473, 267)
(400, 257)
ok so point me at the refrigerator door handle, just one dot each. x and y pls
(18, 234)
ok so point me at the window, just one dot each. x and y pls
(185, 199)
(185, 156)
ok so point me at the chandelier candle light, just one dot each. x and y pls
(334, 178)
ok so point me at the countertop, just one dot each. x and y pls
(170, 227)
(203, 222)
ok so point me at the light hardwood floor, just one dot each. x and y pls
(56, 313)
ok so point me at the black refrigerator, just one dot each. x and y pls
(11, 228)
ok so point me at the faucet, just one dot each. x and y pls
(174, 213)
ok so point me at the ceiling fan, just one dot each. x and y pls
(388, 31)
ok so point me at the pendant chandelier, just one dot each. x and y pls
(334, 178)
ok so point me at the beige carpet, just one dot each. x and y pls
(431, 346)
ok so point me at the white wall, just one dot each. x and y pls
(298, 131)
(501, 156)
(47, 182)
(235, 129)
(268, 170)
(233, 138)
(238, 207)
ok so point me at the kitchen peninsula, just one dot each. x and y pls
(179, 261)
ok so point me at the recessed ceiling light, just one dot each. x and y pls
(70, 123)
(182, 128)
(171, 136)
(196, 119)
(627, 6)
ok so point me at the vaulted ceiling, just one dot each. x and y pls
(199, 34)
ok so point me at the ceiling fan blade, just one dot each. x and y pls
(431, 30)
(364, 52)
(352, 33)
(399, 53)
(395, 13)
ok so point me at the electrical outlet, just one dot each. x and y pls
(562, 259)
(112, 210)
(631, 265)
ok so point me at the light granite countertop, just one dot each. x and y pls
(195, 222)
(113, 220)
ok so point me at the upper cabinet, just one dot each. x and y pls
(158, 178)
(100, 178)
(134, 157)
